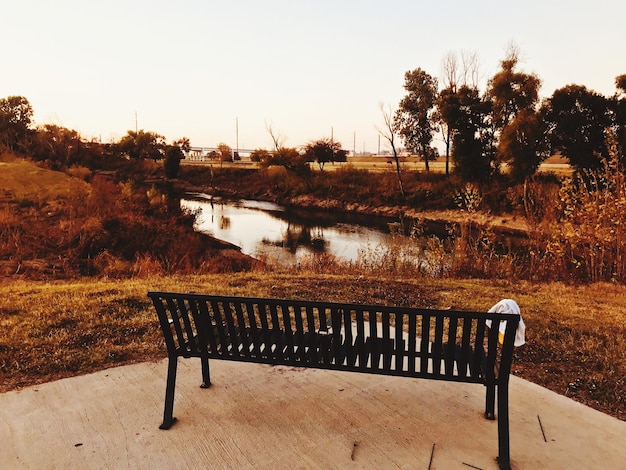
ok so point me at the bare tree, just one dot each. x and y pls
(471, 68)
(455, 74)
(277, 139)
(388, 132)
(450, 71)
(450, 80)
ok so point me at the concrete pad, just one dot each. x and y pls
(257, 416)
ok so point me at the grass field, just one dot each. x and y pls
(21, 180)
(576, 335)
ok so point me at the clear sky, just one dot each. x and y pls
(195, 68)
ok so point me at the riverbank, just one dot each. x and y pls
(432, 200)
(511, 224)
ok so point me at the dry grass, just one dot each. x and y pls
(576, 344)
(55, 226)
(23, 180)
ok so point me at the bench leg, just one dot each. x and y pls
(206, 375)
(168, 419)
(504, 457)
(490, 401)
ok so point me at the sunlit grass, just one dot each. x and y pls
(576, 334)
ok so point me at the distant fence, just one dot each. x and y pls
(207, 154)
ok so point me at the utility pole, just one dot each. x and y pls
(136, 126)
(354, 143)
(237, 134)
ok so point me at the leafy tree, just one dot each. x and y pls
(522, 144)
(142, 145)
(511, 91)
(173, 155)
(472, 137)
(576, 120)
(620, 83)
(16, 115)
(288, 157)
(414, 117)
(323, 151)
(183, 143)
(292, 160)
(225, 153)
(261, 155)
(59, 146)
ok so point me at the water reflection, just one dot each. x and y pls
(285, 234)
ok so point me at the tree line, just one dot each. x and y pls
(61, 148)
(505, 129)
(507, 125)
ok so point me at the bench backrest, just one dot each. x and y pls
(436, 344)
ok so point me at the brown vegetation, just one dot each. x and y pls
(54, 225)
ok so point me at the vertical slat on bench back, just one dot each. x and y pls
(255, 336)
(233, 331)
(202, 324)
(264, 330)
(373, 334)
(206, 322)
(437, 348)
(243, 330)
(336, 317)
(183, 326)
(399, 342)
(412, 347)
(361, 351)
(277, 345)
(425, 343)
(387, 346)
(299, 337)
(218, 322)
(322, 334)
(506, 358)
(310, 340)
(287, 310)
(164, 320)
(450, 346)
(175, 318)
(492, 349)
(479, 348)
(466, 348)
(350, 350)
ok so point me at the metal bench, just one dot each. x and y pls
(400, 341)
